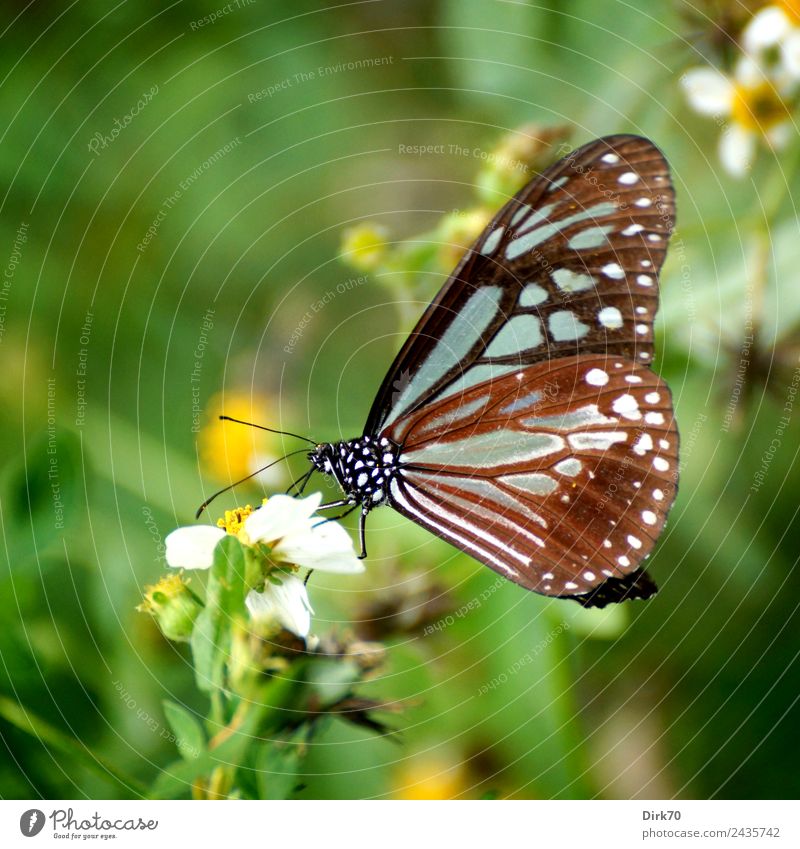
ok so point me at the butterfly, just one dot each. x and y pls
(521, 420)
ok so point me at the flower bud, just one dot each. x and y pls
(364, 246)
(519, 156)
(173, 605)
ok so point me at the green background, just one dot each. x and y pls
(692, 695)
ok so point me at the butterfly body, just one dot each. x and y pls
(521, 421)
(363, 468)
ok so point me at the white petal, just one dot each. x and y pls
(736, 149)
(780, 135)
(287, 604)
(192, 547)
(750, 73)
(708, 91)
(326, 547)
(790, 55)
(281, 515)
(767, 28)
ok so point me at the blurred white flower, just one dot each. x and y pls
(748, 105)
(295, 536)
(286, 603)
(773, 38)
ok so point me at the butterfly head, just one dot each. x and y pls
(322, 458)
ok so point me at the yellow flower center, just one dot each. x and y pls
(234, 520)
(758, 107)
(792, 9)
(167, 587)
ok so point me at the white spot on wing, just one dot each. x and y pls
(596, 377)
(610, 317)
(613, 270)
(627, 406)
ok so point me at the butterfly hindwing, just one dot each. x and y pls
(558, 476)
(568, 266)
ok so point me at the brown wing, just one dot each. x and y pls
(569, 266)
(558, 476)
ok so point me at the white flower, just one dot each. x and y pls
(750, 104)
(192, 548)
(288, 525)
(286, 603)
(773, 31)
(295, 536)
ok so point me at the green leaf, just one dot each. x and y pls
(261, 717)
(189, 736)
(48, 735)
(277, 763)
(225, 594)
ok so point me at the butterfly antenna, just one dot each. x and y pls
(268, 429)
(247, 478)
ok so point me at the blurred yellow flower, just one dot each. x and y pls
(231, 451)
(457, 232)
(517, 158)
(427, 777)
(364, 246)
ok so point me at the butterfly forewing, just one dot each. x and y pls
(558, 476)
(568, 266)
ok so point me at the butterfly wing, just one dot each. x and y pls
(568, 266)
(558, 477)
(533, 435)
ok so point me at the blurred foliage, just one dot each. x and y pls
(192, 248)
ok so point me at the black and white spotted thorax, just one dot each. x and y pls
(362, 467)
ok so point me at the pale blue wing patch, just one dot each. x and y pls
(536, 483)
(572, 281)
(532, 295)
(449, 418)
(565, 326)
(486, 450)
(518, 334)
(535, 237)
(456, 342)
(478, 374)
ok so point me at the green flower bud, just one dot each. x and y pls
(173, 605)
(364, 246)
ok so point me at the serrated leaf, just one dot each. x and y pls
(189, 736)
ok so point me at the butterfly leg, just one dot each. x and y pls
(336, 518)
(362, 524)
(343, 502)
(301, 482)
